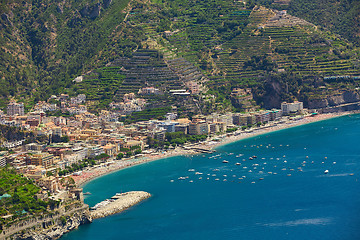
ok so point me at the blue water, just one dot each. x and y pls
(307, 204)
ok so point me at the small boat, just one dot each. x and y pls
(250, 158)
(87, 193)
(326, 171)
(254, 156)
(191, 170)
(351, 174)
(237, 163)
(181, 178)
(261, 178)
(224, 161)
(199, 173)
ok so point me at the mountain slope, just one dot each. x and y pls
(220, 45)
(45, 44)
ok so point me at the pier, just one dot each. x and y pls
(118, 203)
(199, 149)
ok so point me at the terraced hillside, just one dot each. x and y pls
(146, 68)
(238, 47)
(218, 44)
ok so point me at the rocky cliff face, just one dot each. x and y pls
(335, 100)
(54, 228)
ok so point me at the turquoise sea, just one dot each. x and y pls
(282, 194)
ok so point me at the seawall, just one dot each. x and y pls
(120, 203)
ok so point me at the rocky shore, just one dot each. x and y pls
(120, 203)
(49, 227)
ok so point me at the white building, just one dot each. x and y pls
(288, 108)
(14, 108)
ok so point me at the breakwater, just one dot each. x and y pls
(118, 203)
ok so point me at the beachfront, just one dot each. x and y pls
(97, 171)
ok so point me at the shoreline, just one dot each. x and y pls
(99, 171)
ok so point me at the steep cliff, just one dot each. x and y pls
(50, 227)
(335, 100)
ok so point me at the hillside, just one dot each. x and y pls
(46, 44)
(339, 16)
(242, 46)
(120, 46)
(18, 198)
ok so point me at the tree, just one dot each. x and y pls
(128, 154)
(65, 139)
(119, 156)
(68, 182)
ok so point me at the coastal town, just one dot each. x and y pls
(83, 145)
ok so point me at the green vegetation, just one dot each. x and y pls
(101, 86)
(82, 164)
(179, 138)
(9, 133)
(223, 44)
(339, 16)
(22, 201)
(230, 130)
(155, 113)
(46, 45)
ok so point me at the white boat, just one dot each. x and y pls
(326, 171)
(225, 161)
(191, 170)
(237, 163)
(181, 178)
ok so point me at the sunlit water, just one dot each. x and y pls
(283, 193)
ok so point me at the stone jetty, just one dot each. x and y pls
(118, 203)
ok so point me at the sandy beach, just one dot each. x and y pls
(100, 170)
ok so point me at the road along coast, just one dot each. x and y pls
(118, 203)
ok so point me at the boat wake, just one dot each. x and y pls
(308, 221)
